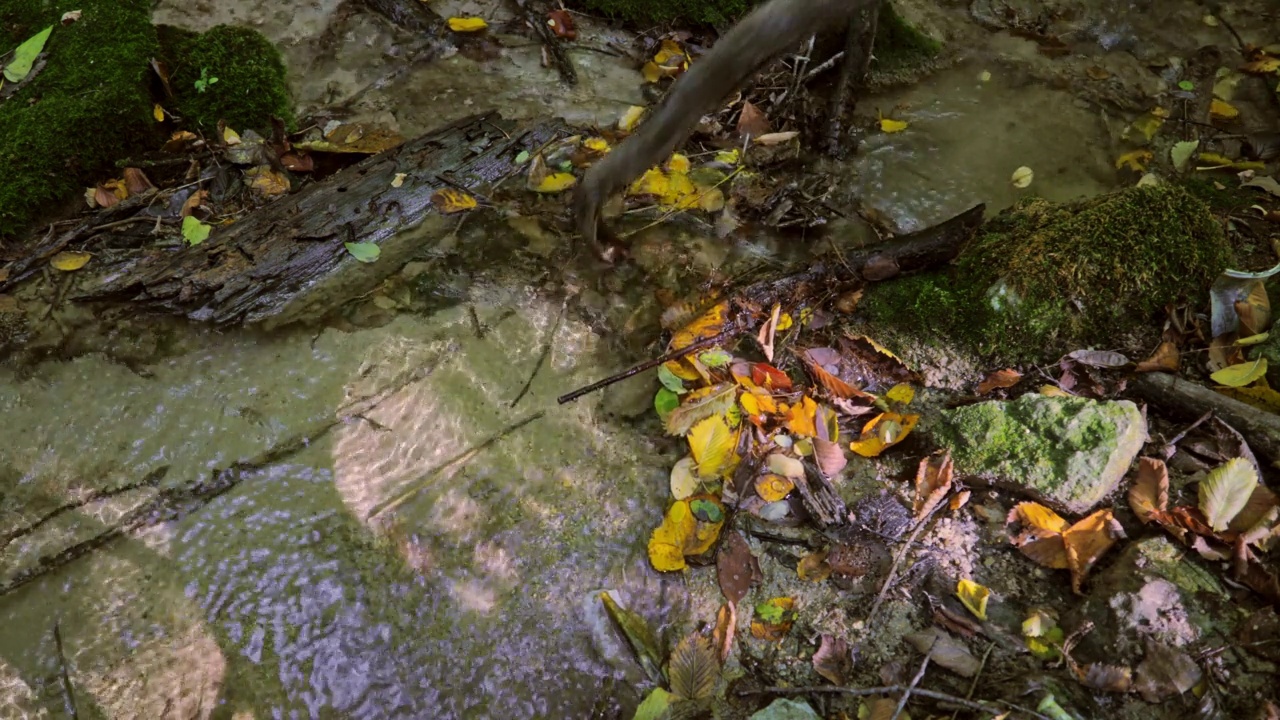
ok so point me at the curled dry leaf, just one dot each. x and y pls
(1150, 491)
(933, 482)
(833, 660)
(1086, 541)
(945, 651)
(1166, 358)
(1037, 532)
(997, 379)
(1099, 358)
(752, 121)
(814, 567)
(1165, 672)
(736, 568)
(974, 597)
(726, 628)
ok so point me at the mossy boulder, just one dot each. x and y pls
(228, 73)
(1043, 278)
(88, 106)
(1069, 453)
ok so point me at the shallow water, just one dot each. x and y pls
(273, 580)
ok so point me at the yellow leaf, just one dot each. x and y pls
(666, 543)
(800, 417)
(1222, 110)
(1262, 66)
(1240, 375)
(1147, 125)
(888, 125)
(707, 325)
(266, 181)
(230, 137)
(1022, 177)
(678, 164)
(681, 192)
(1254, 339)
(712, 444)
(750, 403)
(1040, 517)
(882, 432)
(670, 54)
(728, 157)
(651, 72)
(1135, 160)
(901, 393)
(630, 118)
(452, 200)
(596, 144)
(556, 182)
(1263, 398)
(157, 112)
(772, 487)
(467, 24)
(683, 481)
(974, 597)
(711, 199)
(652, 182)
(69, 260)
(1054, 391)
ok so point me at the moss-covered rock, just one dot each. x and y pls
(228, 73)
(1069, 453)
(651, 12)
(1043, 278)
(87, 106)
(898, 45)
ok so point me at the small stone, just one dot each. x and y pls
(785, 709)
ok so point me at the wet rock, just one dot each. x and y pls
(784, 709)
(1153, 594)
(1069, 453)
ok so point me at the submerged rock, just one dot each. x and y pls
(784, 709)
(1069, 453)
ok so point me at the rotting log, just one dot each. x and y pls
(288, 260)
(1187, 399)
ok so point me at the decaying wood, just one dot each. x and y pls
(288, 261)
(860, 37)
(820, 498)
(1187, 399)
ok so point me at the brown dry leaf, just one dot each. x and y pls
(752, 121)
(814, 567)
(136, 181)
(736, 568)
(832, 384)
(693, 669)
(193, 201)
(879, 708)
(1037, 532)
(1086, 541)
(1108, 678)
(959, 500)
(266, 181)
(726, 628)
(1165, 672)
(561, 23)
(1256, 510)
(996, 379)
(829, 456)
(833, 660)
(933, 482)
(945, 651)
(1150, 491)
(1166, 358)
(767, 331)
(1097, 73)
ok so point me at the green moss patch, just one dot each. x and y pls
(1043, 278)
(87, 107)
(718, 13)
(898, 45)
(228, 73)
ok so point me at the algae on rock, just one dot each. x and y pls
(1069, 453)
(250, 85)
(1044, 278)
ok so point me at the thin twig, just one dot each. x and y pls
(897, 562)
(66, 676)
(889, 690)
(542, 356)
(924, 665)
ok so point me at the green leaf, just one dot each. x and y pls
(706, 511)
(1226, 491)
(194, 231)
(770, 613)
(523, 157)
(1181, 152)
(655, 706)
(639, 636)
(1242, 374)
(665, 402)
(24, 56)
(670, 380)
(1186, 85)
(715, 358)
(363, 251)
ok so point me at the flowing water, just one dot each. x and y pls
(380, 520)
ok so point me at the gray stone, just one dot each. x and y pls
(784, 709)
(1069, 453)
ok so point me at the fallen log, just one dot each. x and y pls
(288, 261)
(1186, 399)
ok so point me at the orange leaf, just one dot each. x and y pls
(883, 432)
(1165, 359)
(999, 379)
(801, 417)
(1150, 491)
(933, 482)
(1086, 541)
(1040, 534)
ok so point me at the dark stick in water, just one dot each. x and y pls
(765, 33)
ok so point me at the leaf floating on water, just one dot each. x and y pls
(363, 251)
(1022, 177)
(1166, 672)
(639, 636)
(1224, 493)
(694, 669)
(451, 200)
(889, 125)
